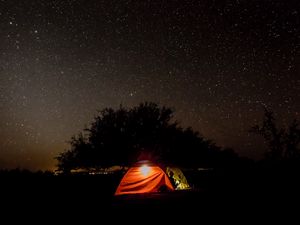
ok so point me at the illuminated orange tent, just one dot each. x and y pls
(143, 177)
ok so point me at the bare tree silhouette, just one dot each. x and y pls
(282, 143)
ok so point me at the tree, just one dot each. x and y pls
(123, 136)
(282, 143)
(292, 141)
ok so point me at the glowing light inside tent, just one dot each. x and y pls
(145, 170)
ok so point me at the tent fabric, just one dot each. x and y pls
(143, 178)
(179, 180)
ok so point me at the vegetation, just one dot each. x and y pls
(147, 131)
(123, 136)
(283, 144)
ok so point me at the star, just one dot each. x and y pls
(216, 65)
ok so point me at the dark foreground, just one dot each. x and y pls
(215, 195)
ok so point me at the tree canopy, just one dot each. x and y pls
(122, 136)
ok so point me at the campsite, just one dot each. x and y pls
(249, 191)
(137, 110)
(138, 160)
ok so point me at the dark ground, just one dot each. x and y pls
(216, 195)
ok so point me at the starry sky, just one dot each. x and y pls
(217, 63)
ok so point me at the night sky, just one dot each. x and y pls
(217, 63)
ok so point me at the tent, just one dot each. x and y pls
(144, 177)
(179, 180)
